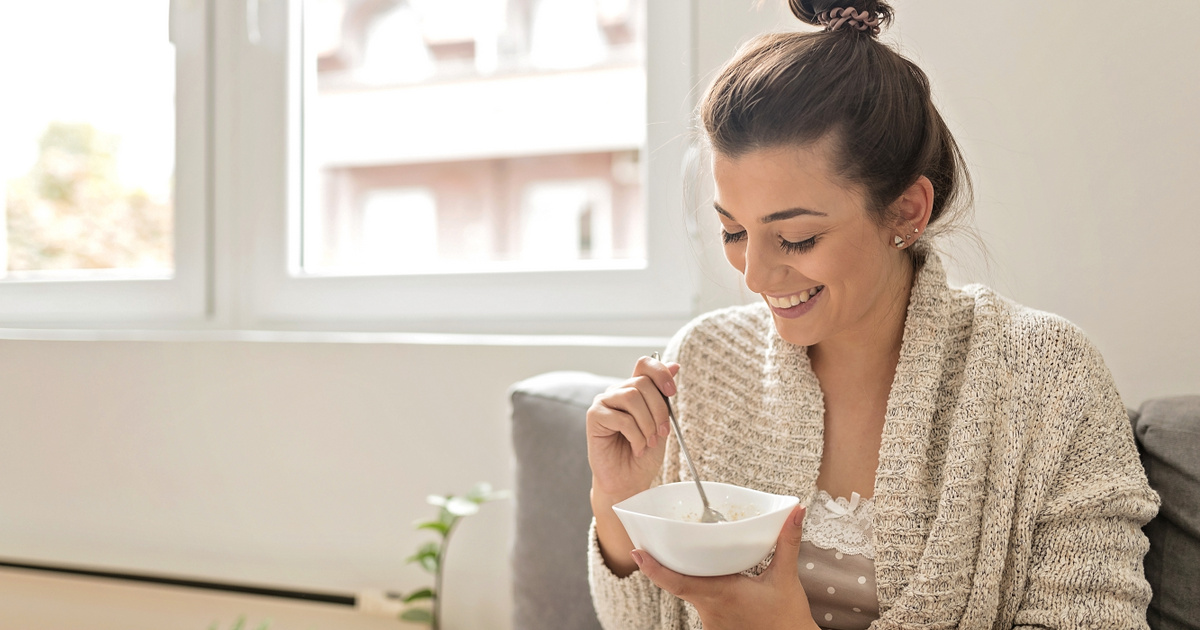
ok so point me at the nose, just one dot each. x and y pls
(763, 269)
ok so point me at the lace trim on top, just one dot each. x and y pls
(845, 526)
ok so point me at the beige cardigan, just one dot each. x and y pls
(1009, 492)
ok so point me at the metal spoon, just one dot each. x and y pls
(709, 515)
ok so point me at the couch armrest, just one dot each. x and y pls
(1168, 435)
(553, 509)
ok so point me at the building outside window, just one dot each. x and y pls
(461, 135)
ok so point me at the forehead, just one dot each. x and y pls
(765, 181)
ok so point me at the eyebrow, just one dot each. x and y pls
(775, 216)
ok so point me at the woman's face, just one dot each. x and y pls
(804, 242)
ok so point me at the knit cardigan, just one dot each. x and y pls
(1009, 493)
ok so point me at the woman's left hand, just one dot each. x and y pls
(773, 599)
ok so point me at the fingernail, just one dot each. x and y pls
(664, 429)
(669, 388)
(637, 557)
(799, 518)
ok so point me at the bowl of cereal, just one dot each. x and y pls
(665, 522)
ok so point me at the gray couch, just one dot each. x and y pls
(553, 511)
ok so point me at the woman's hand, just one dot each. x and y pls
(773, 600)
(627, 429)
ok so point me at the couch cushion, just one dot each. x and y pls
(553, 509)
(1168, 434)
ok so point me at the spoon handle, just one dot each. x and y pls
(683, 447)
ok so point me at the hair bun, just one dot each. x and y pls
(820, 13)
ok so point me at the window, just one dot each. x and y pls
(473, 165)
(101, 168)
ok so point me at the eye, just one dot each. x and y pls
(732, 237)
(797, 247)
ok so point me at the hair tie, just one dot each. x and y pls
(834, 19)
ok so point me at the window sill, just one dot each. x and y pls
(328, 337)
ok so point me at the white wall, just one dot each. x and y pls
(1079, 121)
(247, 457)
(276, 463)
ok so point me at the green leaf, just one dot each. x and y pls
(237, 625)
(425, 593)
(427, 549)
(437, 526)
(417, 615)
(427, 556)
(264, 625)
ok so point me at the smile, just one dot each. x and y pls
(788, 301)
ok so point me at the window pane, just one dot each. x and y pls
(469, 135)
(88, 150)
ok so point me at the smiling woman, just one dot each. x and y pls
(795, 258)
(866, 385)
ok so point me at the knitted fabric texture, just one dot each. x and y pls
(1008, 494)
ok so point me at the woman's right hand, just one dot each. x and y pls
(627, 430)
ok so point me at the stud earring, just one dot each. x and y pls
(915, 230)
(899, 242)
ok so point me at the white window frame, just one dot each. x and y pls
(184, 297)
(267, 150)
(238, 187)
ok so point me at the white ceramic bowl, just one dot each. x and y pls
(665, 522)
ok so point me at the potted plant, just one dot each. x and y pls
(424, 605)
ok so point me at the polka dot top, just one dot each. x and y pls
(837, 562)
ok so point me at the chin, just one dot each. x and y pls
(794, 334)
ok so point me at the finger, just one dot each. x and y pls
(633, 400)
(611, 419)
(682, 586)
(665, 428)
(786, 560)
(662, 377)
(661, 373)
(657, 405)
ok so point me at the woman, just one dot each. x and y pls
(966, 462)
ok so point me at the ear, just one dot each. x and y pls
(913, 207)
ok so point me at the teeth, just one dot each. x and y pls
(793, 300)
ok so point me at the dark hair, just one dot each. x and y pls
(794, 89)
